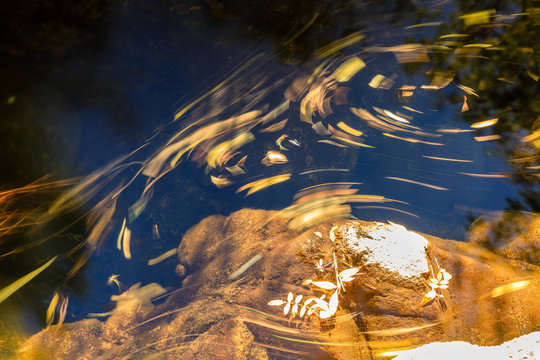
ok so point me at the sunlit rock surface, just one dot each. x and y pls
(235, 265)
(390, 246)
(526, 347)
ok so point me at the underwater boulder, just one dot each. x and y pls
(249, 278)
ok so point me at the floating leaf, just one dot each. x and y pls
(49, 316)
(17, 284)
(220, 181)
(263, 183)
(480, 17)
(275, 127)
(485, 123)
(464, 107)
(467, 89)
(216, 155)
(349, 129)
(339, 44)
(274, 157)
(126, 243)
(348, 69)
(121, 235)
(376, 81)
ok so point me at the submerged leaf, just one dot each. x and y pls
(347, 275)
(333, 303)
(276, 302)
(327, 285)
(428, 298)
(287, 308)
(324, 314)
(290, 297)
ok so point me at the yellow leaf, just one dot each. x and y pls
(263, 183)
(376, 81)
(274, 157)
(49, 316)
(17, 284)
(348, 129)
(218, 152)
(437, 23)
(220, 181)
(483, 46)
(480, 17)
(339, 44)
(348, 69)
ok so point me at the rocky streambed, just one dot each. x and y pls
(407, 290)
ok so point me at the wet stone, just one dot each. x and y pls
(238, 263)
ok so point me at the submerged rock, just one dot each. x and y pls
(512, 234)
(235, 265)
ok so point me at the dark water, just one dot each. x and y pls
(87, 82)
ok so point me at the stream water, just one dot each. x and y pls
(151, 116)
